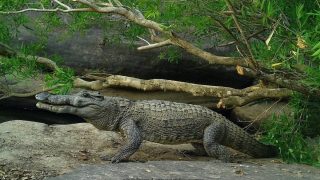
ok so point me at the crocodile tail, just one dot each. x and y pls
(240, 140)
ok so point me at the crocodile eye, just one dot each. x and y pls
(85, 94)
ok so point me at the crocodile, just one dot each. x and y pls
(158, 121)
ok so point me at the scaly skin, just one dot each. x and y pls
(157, 121)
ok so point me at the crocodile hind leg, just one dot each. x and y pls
(199, 149)
(213, 136)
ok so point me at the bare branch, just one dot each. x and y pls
(62, 4)
(48, 10)
(233, 101)
(143, 40)
(230, 97)
(156, 45)
(210, 58)
(156, 85)
(42, 60)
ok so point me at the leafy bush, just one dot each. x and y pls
(290, 133)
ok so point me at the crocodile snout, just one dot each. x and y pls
(42, 96)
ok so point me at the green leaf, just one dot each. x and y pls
(317, 46)
(317, 53)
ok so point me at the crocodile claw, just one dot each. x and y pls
(115, 160)
(109, 158)
(105, 158)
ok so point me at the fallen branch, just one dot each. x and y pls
(155, 85)
(261, 93)
(229, 97)
(41, 60)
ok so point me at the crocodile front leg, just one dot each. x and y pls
(133, 141)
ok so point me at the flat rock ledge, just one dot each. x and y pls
(192, 170)
(31, 150)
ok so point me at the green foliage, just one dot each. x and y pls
(283, 133)
(63, 78)
(19, 67)
(313, 79)
(290, 133)
(171, 54)
(316, 51)
(4, 32)
(133, 31)
(307, 110)
(8, 30)
(12, 4)
(22, 68)
(295, 42)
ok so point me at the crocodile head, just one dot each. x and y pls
(86, 104)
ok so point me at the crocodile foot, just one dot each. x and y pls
(106, 158)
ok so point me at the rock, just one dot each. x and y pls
(44, 150)
(30, 150)
(252, 115)
(17, 85)
(22, 85)
(192, 170)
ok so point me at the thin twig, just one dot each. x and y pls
(226, 29)
(235, 19)
(48, 10)
(143, 40)
(62, 4)
(156, 45)
(258, 118)
(248, 38)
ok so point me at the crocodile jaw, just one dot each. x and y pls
(57, 108)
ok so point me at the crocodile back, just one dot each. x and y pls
(170, 122)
